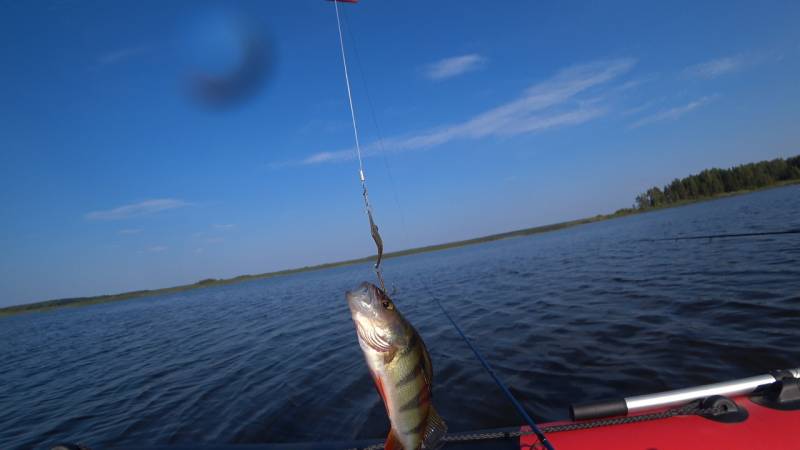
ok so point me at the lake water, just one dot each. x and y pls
(580, 314)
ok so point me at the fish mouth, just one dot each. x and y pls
(361, 298)
(368, 316)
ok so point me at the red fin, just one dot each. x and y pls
(381, 392)
(392, 443)
(424, 396)
(379, 386)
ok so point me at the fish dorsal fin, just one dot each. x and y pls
(434, 431)
(392, 443)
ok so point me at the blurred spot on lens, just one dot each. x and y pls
(228, 56)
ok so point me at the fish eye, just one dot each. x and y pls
(387, 304)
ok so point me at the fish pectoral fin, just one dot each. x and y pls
(392, 442)
(388, 355)
(434, 431)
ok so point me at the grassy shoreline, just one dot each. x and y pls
(84, 301)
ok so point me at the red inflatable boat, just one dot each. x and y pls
(757, 413)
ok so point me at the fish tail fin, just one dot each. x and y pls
(392, 443)
(434, 431)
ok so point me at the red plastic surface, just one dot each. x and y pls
(764, 429)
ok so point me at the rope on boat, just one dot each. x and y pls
(376, 236)
(688, 410)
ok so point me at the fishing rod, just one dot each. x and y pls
(376, 236)
(506, 391)
(727, 235)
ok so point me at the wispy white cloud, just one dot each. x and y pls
(156, 249)
(633, 84)
(644, 106)
(638, 109)
(209, 238)
(121, 55)
(144, 208)
(130, 231)
(673, 113)
(545, 105)
(454, 66)
(716, 67)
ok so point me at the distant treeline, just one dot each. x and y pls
(713, 182)
(706, 184)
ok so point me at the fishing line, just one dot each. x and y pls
(376, 236)
(371, 107)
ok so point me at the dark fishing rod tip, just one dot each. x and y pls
(725, 235)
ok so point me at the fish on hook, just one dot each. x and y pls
(401, 368)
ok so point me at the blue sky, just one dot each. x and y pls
(115, 175)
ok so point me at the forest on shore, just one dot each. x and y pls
(715, 182)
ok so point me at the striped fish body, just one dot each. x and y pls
(401, 368)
